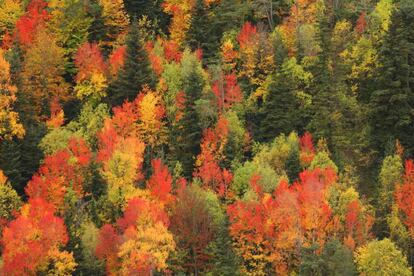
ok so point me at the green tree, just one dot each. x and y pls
(188, 131)
(392, 103)
(135, 73)
(381, 258)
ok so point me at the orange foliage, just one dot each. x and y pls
(59, 171)
(160, 182)
(132, 233)
(307, 151)
(268, 230)
(117, 60)
(227, 94)
(27, 25)
(208, 169)
(57, 116)
(405, 196)
(181, 16)
(89, 60)
(32, 238)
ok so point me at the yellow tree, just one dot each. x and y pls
(42, 76)
(10, 12)
(9, 119)
(140, 242)
(116, 21)
(181, 17)
(151, 112)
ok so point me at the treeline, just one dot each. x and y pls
(206, 137)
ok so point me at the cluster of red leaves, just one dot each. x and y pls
(117, 60)
(361, 23)
(89, 60)
(29, 240)
(56, 114)
(160, 182)
(247, 35)
(357, 225)
(208, 169)
(294, 215)
(155, 60)
(63, 169)
(111, 238)
(405, 196)
(193, 227)
(172, 51)
(227, 93)
(307, 151)
(27, 25)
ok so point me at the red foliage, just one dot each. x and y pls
(307, 151)
(29, 238)
(89, 60)
(357, 225)
(361, 23)
(117, 59)
(228, 93)
(247, 35)
(56, 114)
(27, 25)
(172, 51)
(155, 60)
(405, 196)
(138, 212)
(275, 224)
(65, 168)
(208, 169)
(160, 182)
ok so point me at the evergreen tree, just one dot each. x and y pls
(392, 104)
(135, 73)
(189, 130)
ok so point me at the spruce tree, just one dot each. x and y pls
(392, 104)
(135, 73)
(189, 130)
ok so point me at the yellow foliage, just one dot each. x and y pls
(149, 246)
(94, 88)
(10, 12)
(151, 126)
(9, 120)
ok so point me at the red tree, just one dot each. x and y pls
(32, 238)
(27, 25)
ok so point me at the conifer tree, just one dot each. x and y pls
(135, 73)
(392, 104)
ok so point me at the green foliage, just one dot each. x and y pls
(135, 73)
(381, 258)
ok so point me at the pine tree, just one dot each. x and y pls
(135, 73)
(392, 104)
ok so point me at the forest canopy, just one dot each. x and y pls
(206, 137)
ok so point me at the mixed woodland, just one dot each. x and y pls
(206, 137)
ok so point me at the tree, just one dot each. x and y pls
(92, 70)
(60, 171)
(32, 241)
(391, 103)
(116, 22)
(282, 109)
(188, 128)
(381, 257)
(28, 25)
(10, 125)
(140, 243)
(42, 76)
(10, 12)
(404, 196)
(196, 222)
(160, 182)
(10, 202)
(135, 73)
